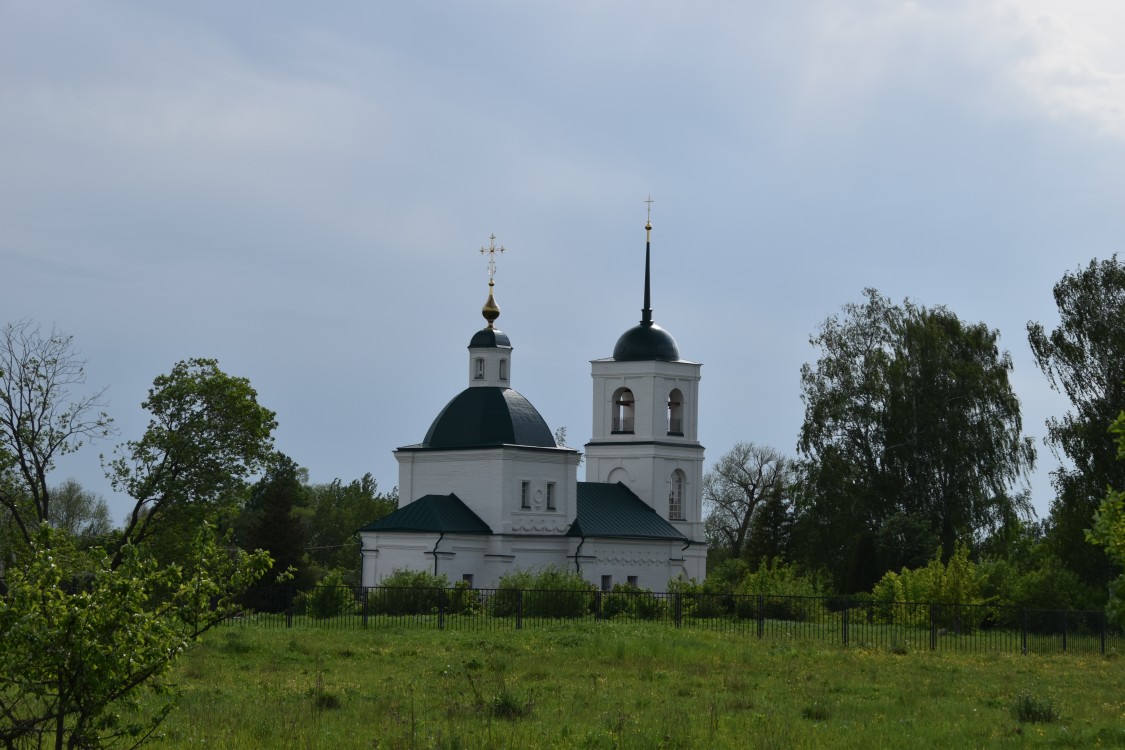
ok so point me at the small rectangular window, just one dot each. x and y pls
(467, 578)
(525, 494)
(632, 580)
(607, 583)
(503, 369)
(480, 369)
(550, 495)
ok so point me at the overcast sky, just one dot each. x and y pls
(300, 190)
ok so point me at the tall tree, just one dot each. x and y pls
(206, 436)
(909, 411)
(1084, 358)
(746, 481)
(41, 418)
(272, 521)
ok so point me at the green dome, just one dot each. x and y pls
(490, 338)
(644, 343)
(484, 417)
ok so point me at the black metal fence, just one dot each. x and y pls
(898, 625)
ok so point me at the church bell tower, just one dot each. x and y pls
(646, 420)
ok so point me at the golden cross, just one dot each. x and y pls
(492, 250)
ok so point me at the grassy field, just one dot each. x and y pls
(627, 686)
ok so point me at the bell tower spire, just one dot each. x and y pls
(646, 312)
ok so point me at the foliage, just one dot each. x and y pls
(79, 512)
(269, 522)
(81, 633)
(701, 600)
(79, 654)
(329, 598)
(786, 593)
(1108, 530)
(955, 581)
(633, 602)
(746, 495)
(408, 592)
(332, 513)
(415, 592)
(909, 414)
(40, 420)
(952, 582)
(551, 591)
(206, 436)
(1084, 358)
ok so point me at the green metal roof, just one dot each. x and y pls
(432, 513)
(486, 417)
(644, 343)
(613, 510)
(490, 338)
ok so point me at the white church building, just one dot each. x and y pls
(488, 491)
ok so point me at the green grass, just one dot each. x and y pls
(626, 686)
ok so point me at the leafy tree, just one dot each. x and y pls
(1109, 529)
(746, 492)
(83, 633)
(207, 435)
(1084, 358)
(908, 411)
(40, 419)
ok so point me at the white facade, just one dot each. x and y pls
(645, 445)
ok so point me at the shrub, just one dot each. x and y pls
(408, 592)
(463, 599)
(328, 598)
(551, 592)
(785, 593)
(633, 602)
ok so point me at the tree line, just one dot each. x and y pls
(912, 448)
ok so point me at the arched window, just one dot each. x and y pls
(676, 495)
(503, 369)
(676, 413)
(622, 411)
(479, 368)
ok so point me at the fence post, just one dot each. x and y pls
(597, 606)
(678, 608)
(845, 621)
(365, 590)
(441, 609)
(288, 606)
(1023, 632)
(1103, 631)
(933, 626)
(761, 616)
(1064, 631)
(519, 609)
